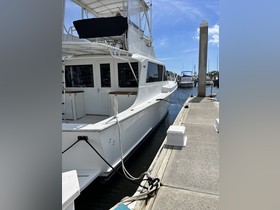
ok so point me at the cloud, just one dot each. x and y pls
(213, 6)
(213, 35)
(175, 10)
(190, 50)
(161, 42)
(168, 58)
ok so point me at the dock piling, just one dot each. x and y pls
(203, 44)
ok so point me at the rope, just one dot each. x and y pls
(85, 138)
(178, 98)
(126, 173)
(161, 99)
(154, 183)
(71, 145)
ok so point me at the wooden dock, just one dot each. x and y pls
(189, 175)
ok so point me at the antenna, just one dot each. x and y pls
(217, 62)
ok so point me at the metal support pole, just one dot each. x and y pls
(203, 45)
(63, 14)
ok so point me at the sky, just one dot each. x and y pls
(175, 31)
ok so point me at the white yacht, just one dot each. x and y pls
(115, 91)
(186, 80)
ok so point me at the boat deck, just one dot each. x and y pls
(88, 119)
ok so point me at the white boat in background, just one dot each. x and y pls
(209, 81)
(186, 80)
(115, 92)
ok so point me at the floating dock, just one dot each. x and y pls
(189, 174)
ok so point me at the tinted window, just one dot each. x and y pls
(105, 75)
(164, 74)
(126, 77)
(79, 76)
(155, 72)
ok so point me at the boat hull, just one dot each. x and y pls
(186, 84)
(209, 82)
(133, 130)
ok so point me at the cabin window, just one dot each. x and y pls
(126, 77)
(164, 74)
(105, 75)
(155, 72)
(79, 76)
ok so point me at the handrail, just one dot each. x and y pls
(68, 32)
(124, 59)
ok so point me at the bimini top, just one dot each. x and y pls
(107, 8)
(101, 27)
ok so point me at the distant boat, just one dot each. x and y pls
(209, 81)
(187, 79)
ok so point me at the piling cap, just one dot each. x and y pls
(204, 23)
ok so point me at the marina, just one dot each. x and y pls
(117, 96)
(103, 194)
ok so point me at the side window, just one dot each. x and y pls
(79, 76)
(164, 74)
(105, 75)
(126, 77)
(154, 73)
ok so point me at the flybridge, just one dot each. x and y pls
(124, 24)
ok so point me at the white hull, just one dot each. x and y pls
(113, 86)
(186, 84)
(209, 82)
(135, 124)
(140, 110)
(133, 130)
(186, 80)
